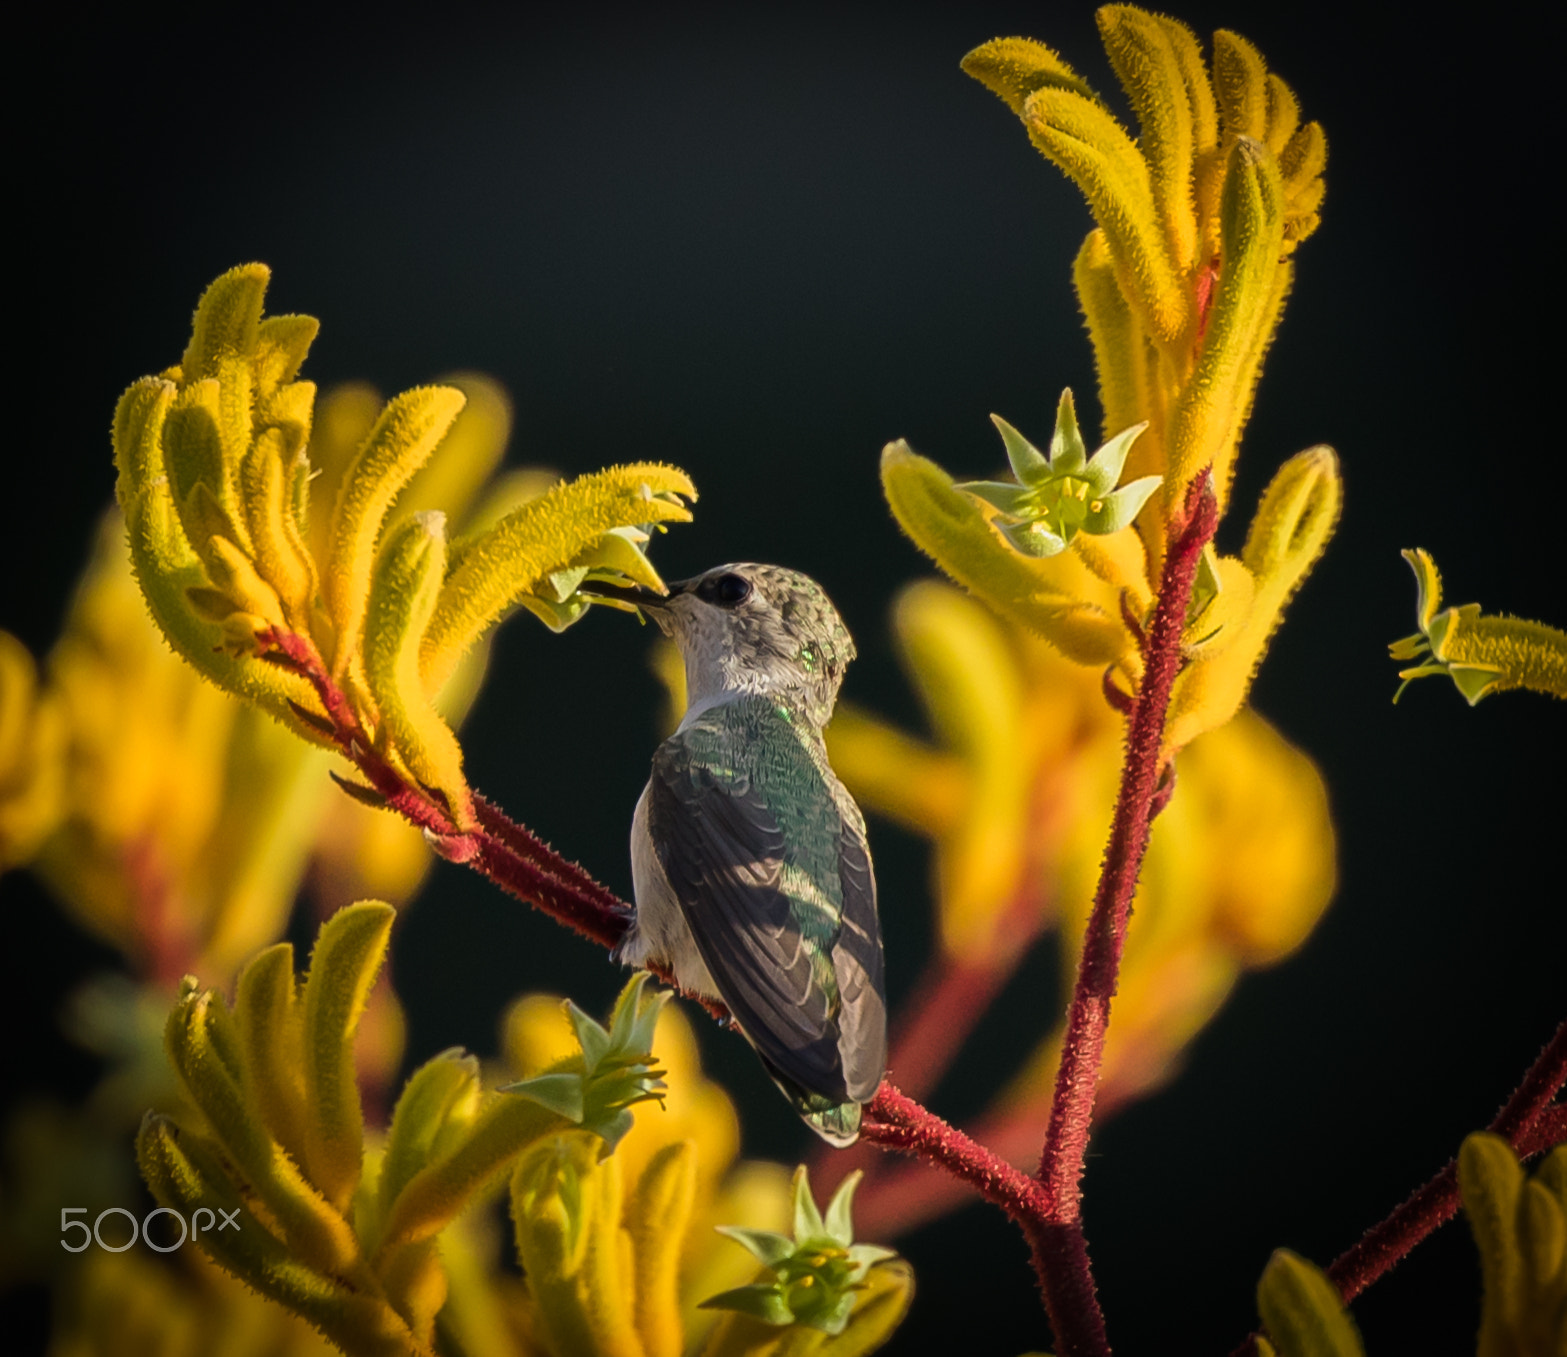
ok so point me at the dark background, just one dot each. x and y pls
(760, 246)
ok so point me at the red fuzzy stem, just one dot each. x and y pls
(946, 1003)
(1385, 1245)
(898, 1122)
(1062, 1254)
(1528, 1121)
(514, 858)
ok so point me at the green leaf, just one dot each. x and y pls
(560, 1093)
(808, 1224)
(1008, 498)
(1068, 455)
(1303, 1310)
(1103, 469)
(767, 1246)
(760, 1301)
(839, 1223)
(1028, 463)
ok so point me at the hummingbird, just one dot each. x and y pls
(749, 862)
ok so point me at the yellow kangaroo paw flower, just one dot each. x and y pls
(1081, 138)
(516, 556)
(434, 1196)
(1482, 655)
(1303, 1310)
(948, 526)
(205, 1052)
(1293, 524)
(415, 1286)
(1121, 353)
(227, 322)
(1222, 618)
(468, 455)
(402, 599)
(1013, 68)
(969, 683)
(1301, 163)
(1241, 79)
(1491, 1183)
(1304, 156)
(1246, 307)
(403, 439)
(449, 1083)
(33, 734)
(656, 1217)
(566, 1209)
(907, 780)
(1143, 55)
(234, 576)
(197, 460)
(282, 344)
(187, 1178)
(1283, 114)
(348, 952)
(267, 1015)
(280, 555)
(167, 566)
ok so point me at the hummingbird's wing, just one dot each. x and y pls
(774, 881)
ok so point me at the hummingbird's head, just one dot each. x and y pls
(757, 629)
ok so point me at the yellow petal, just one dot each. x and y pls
(1141, 50)
(656, 1217)
(970, 685)
(948, 526)
(1013, 68)
(566, 1209)
(343, 965)
(472, 449)
(402, 441)
(1094, 151)
(408, 578)
(542, 536)
(1240, 77)
(1291, 529)
(1214, 405)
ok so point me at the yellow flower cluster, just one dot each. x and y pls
(1182, 284)
(215, 484)
(375, 1242)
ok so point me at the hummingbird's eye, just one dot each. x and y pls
(728, 591)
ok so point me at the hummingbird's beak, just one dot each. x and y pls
(633, 594)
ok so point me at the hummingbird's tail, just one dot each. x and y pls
(838, 1123)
